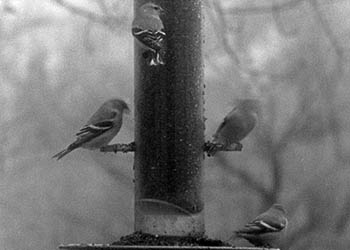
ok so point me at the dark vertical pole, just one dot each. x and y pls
(169, 131)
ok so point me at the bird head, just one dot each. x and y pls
(279, 207)
(250, 105)
(152, 9)
(119, 105)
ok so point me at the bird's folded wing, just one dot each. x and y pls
(151, 38)
(94, 129)
(262, 226)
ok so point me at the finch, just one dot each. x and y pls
(101, 128)
(236, 125)
(267, 229)
(148, 29)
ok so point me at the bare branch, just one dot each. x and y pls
(221, 27)
(277, 173)
(272, 152)
(329, 82)
(276, 15)
(328, 32)
(103, 6)
(94, 17)
(296, 120)
(264, 9)
(222, 30)
(245, 177)
(343, 219)
(267, 8)
(88, 45)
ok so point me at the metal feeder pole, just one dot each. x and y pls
(169, 129)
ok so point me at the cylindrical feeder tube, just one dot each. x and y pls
(169, 127)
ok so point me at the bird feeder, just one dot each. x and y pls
(169, 134)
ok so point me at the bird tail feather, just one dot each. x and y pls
(159, 59)
(62, 153)
(212, 150)
(156, 59)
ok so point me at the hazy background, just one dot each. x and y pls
(60, 59)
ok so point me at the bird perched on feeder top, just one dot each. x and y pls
(101, 128)
(267, 229)
(148, 29)
(236, 125)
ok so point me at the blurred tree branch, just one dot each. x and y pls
(245, 177)
(299, 120)
(88, 45)
(221, 26)
(218, 17)
(83, 12)
(264, 9)
(329, 82)
(343, 219)
(103, 6)
(276, 14)
(271, 149)
(8, 7)
(107, 20)
(220, 22)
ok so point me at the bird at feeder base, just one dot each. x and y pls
(101, 128)
(266, 230)
(235, 126)
(148, 29)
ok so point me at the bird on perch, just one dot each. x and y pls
(235, 126)
(267, 229)
(100, 129)
(148, 29)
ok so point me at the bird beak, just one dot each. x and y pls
(162, 11)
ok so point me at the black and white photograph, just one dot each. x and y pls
(175, 124)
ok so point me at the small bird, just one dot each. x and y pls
(148, 29)
(267, 229)
(101, 128)
(236, 125)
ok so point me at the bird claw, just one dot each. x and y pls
(212, 147)
(125, 150)
(238, 146)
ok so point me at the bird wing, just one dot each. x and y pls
(91, 131)
(95, 128)
(151, 38)
(224, 122)
(221, 126)
(230, 129)
(100, 122)
(260, 226)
